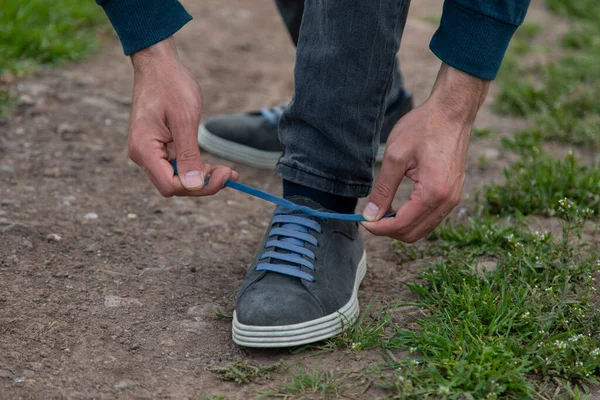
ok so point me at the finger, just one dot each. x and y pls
(189, 163)
(392, 172)
(426, 226)
(408, 216)
(160, 172)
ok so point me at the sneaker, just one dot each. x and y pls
(252, 139)
(302, 286)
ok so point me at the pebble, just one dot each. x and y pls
(116, 301)
(90, 216)
(491, 153)
(64, 128)
(489, 266)
(26, 100)
(53, 237)
(6, 168)
(125, 384)
(132, 216)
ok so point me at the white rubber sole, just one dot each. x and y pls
(305, 332)
(244, 154)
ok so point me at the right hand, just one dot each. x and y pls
(166, 108)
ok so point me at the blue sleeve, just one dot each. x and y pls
(142, 23)
(474, 34)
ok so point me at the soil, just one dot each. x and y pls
(108, 290)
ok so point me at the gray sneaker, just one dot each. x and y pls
(251, 138)
(302, 286)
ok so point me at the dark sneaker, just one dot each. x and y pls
(251, 138)
(302, 286)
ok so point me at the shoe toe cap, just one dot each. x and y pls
(276, 307)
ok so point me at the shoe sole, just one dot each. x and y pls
(245, 154)
(305, 332)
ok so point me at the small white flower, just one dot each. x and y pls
(443, 390)
(525, 315)
(595, 352)
(560, 344)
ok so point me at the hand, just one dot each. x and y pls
(428, 146)
(166, 111)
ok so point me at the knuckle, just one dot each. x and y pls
(395, 157)
(188, 155)
(410, 239)
(166, 192)
(441, 192)
(381, 190)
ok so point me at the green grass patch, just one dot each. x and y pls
(537, 182)
(489, 333)
(316, 383)
(561, 97)
(38, 32)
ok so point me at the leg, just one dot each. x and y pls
(303, 285)
(344, 71)
(252, 138)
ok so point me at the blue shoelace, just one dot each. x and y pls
(291, 231)
(272, 115)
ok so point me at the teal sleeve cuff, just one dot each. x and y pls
(142, 23)
(470, 41)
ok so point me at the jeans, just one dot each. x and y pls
(346, 69)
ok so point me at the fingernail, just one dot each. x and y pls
(193, 179)
(371, 212)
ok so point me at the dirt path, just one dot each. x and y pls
(106, 289)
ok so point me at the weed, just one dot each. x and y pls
(368, 332)
(221, 315)
(219, 397)
(242, 371)
(323, 383)
(482, 132)
(536, 183)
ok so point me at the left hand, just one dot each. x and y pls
(428, 146)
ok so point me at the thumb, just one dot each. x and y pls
(384, 190)
(189, 164)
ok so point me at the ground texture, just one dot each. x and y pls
(109, 290)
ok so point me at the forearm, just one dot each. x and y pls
(458, 95)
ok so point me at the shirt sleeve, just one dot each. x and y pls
(474, 34)
(142, 23)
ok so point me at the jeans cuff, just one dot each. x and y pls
(305, 177)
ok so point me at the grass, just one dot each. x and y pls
(242, 371)
(559, 96)
(317, 382)
(36, 32)
(488, 332)
(536, 183)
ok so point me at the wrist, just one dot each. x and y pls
(458, 95)
(157, 54)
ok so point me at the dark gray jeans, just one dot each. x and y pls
(345, 70)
